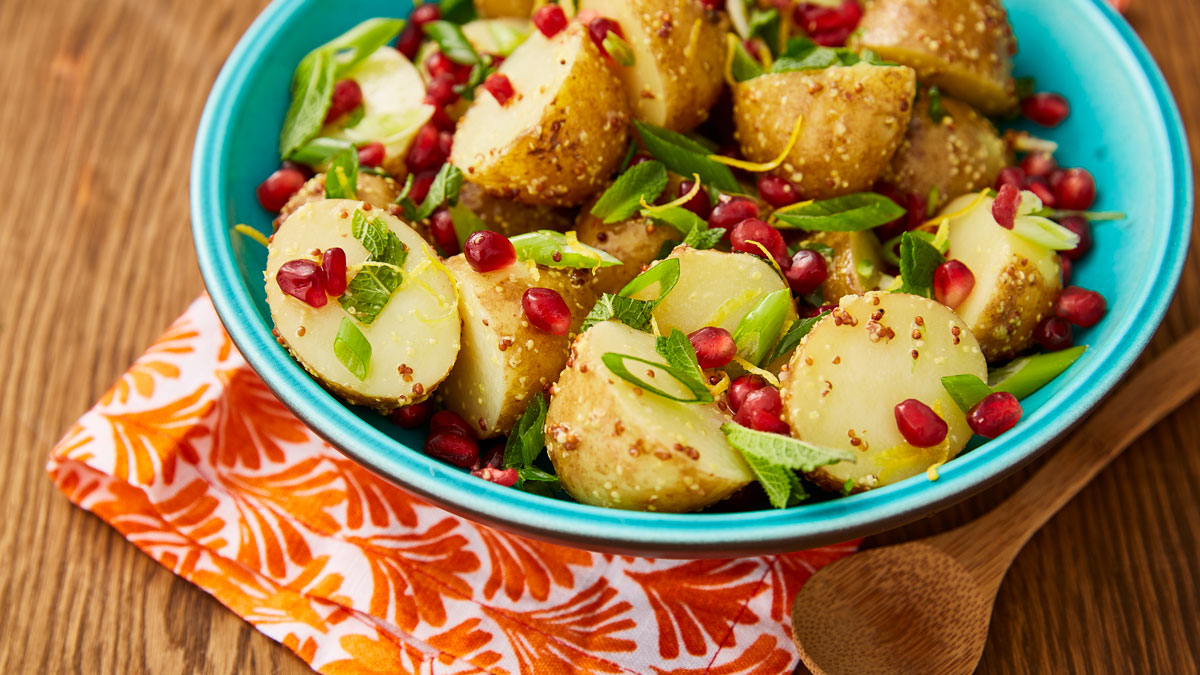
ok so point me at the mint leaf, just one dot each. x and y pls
(534, 474)
(1026, 375)
(677, 217)
(918, 260)
(685, 157)
(798, 494)
(352, 349)
(465, 222)
(775, 480)
(527, 439)
(744, 66)
(378, 278)
(341, 181)
(702, 238)
(555, 249)
(616, 364)
(848, 213)
(632, 313)
(444, 190)
(757, 331)
(320, 150)
(645, 181)
(966, 390)
(677, 349)
(312, 93)
(771, 455)
(765, 25)
(458, 11)
(795, 334)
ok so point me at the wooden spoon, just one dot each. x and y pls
(924, 606)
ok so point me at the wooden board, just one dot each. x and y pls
(99, 102)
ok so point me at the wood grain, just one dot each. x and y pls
(99, 102)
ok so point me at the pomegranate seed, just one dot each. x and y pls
(712, 5)
(1081, 227)
(278, 188)
(714, 346)
(503, 477)
(1004, 208)
(1010, 175)
(919, 424)
(699, 204)
(550, 20)
(1081, 307)
(487, 251)
(751, 231)
(440, 119)
(829, 26)
(445, 143)
(808, 271)
(452, 446)
(412, 416)
(1048, 110)
(1066, 268)
(640, 158)
(302, 279)
(546, 310)
(1043, 193)
(1054, 334)
(446, 419)
(441, 91)
(952, 283)
(333, 268)
(421, 183)
(741, 387)
(730, 213)
(809, 312)
(763, 400)
(371, 154)
(760, 420)
(424, 14)
(500, 87)
(1075, 189)
(441, 228)
(492, 456)
(347, 96)
(995, 414)
(776, 191)
(304, 169)
(409, 42)
(426, 152)
(599, 28)
(439, 64)
(1039, 164)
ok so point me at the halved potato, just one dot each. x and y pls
(962, 153)
(853, 120)
(563, 133)
(679, 56)
(392, 92)
(876, 350)
(378, 191)
(616, 445)
(714, 289)
(965, 47)
(414, 340)
(1016, 280)
(504, 360)
(509, 217)
(635, 241)
(857, 263)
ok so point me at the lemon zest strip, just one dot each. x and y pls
(758, 167)
(250, 232)
(755, 370)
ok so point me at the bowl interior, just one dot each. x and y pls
(1123, 127)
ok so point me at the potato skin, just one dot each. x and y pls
(842, 385)
(965, 47)
(848, 249)
(378, 191)
(504, 8)
(680, 56)
(553, 148)
(617, 446)
(509, 217)
(962, 153)
(635, 241)
(504, 360)
(1016, 280)
(854, 119)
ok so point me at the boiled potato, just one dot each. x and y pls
(616, 445)
(1016, 280)
(509, 217)
(853, 120)
(714, 289)
(562, 134)
(414, 340)
(961, 154)
(965, 47)
(392, 92)
(494, 8)
(679, 58)
(874, 351)
(854, 253)
(378, 191)
(635, 241)
(504, 360)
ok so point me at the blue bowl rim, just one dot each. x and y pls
(655, 534)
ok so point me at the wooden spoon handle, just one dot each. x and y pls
(989, 544)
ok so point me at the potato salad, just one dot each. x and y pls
(680, 255)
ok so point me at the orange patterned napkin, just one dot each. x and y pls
(193, 459)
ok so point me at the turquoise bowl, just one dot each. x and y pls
(1124, 127)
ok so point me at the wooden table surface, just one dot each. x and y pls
(99, 101)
